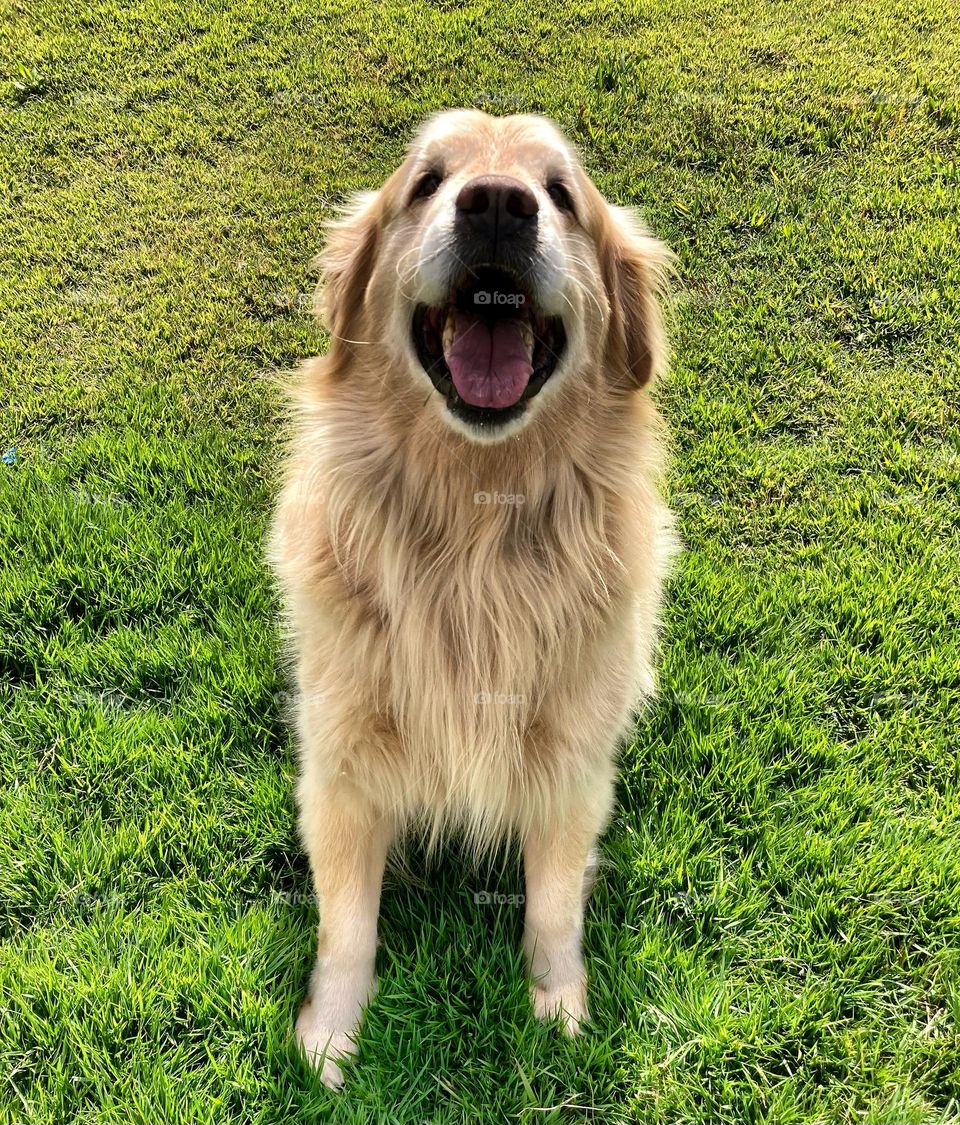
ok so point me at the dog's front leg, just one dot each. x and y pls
(559, 863)
(347, 843)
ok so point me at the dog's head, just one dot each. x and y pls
(490, 276)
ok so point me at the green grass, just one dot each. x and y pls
(776, 934)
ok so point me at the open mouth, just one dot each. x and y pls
(487, 351)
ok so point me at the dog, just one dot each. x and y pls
(470, 540)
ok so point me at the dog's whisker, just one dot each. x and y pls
(346, 340)
(420, 264)
(585, 290)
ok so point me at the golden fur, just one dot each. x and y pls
(473, 621)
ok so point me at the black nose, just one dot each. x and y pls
(497, 206)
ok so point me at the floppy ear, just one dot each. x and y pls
(634, 266)
(346, 264)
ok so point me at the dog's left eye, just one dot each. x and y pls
(427, 185)
(560, 195)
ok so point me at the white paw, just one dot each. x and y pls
(322, 1046)
(568, 1002)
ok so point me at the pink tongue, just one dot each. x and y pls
(490, 364)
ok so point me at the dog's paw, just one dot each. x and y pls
(322, 1046)
(567, 1002)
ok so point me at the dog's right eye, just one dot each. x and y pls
(560, 195)
(427, 185)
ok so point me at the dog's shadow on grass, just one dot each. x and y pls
(452, 1006)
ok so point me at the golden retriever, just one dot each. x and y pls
(470, 540)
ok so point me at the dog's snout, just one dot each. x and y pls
(499, 205)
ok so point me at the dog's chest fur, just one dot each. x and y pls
(499, 622)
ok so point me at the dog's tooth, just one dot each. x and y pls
(526, 333)
(449, 328)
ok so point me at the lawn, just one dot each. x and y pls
(775, 936)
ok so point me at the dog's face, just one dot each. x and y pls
(489, 275)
